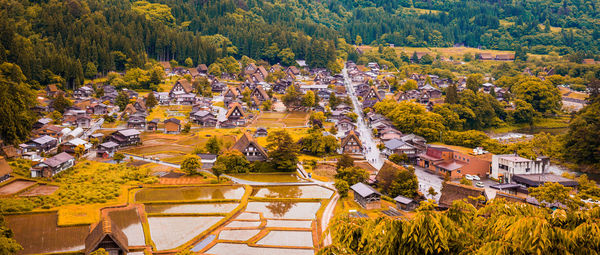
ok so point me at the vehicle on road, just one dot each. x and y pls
(468, 177)
(479, 184)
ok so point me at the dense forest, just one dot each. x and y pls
(59, 41)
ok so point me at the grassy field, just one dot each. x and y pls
(162, 112)
(281, 119)
(545, 123)
(566, 92)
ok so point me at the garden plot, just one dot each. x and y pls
(189, 193)
(238, 234)
(285, 209)
(243, 249)
(38, 233)
(39, 190)
(191, 208)
(288, 238)
(15, 186)
(171, 232)
(289, 224)
(269, 177)
(129, 222)
(307, 191)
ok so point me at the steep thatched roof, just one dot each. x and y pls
(105, 229)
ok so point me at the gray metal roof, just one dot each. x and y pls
(44, 139)
(364, 190)
(129, 132)
(403, 200)
(396, 143)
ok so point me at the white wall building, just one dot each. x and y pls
(505, 166)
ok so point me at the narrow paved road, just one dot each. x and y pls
(372, 153)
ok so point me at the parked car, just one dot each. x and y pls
(476, 178)
(479, 184)
(469, 177)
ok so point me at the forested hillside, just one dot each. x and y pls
(58, 41)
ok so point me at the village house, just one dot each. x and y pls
(53, 165)
(505, 57)
(69, 147)
(202, 68)
(41, 144)
(250, 148)
(261, 132)
(83, 92)
(232, 94)
(260, 94)
(389, 134)
(204, 118)
(153, 125)
(217, 86)
(106, 235)
(405, 204)
(107, 149)
(366, 196)
(455, 191)
(49, 130)
(126, 137)
(137, 120)
(172, 126)
(351, 144)
(455, 164)
(235, 115)
(505, 166)
(41, 122)
(98, 109)
(83, 121)
(5, 170)
(397, 146)
(536, 180)
(181, 92)
(52, 90)
(344, 125)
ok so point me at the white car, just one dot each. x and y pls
(476, 178)
(468, 177)
(479, 184)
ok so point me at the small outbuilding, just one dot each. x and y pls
(366, 196)
(405, 204)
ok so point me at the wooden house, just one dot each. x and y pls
(250, 148)
(366, 196)
(53, 165)
(351, 144)
(107, 149)
(41, 144)
(137, 120)
(172, 126)
(204, 118)
(126, 137)
(202, 68)
(106, 235)
(405, 204)
(261, 132)
(5, 169)
(236, 115)
(153, 125)
(52, 90)
(260, 94)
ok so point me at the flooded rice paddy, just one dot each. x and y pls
(285, 209)
(248, 216)
(307, 191)
(269, 177)
(288, 238)
(289, 223)
(243, 224)
(171, 232)
(38, 233)
(130, 223)
(238, 235)
(243, 249)
(191, 208)
(189, 193)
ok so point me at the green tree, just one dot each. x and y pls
(60, 103)
(431, 191)
(118, 157)
(451, 94)
(287, 56)
(474, 81)
(100, 251)
(292, 97)
(344, 161)
(213, 145)
(551, 192)
(8, 245)
(308, 100)
(352, 175)
(218, 170)
(190, 165)
(342, 187)
(410, 84)
(232, 161)
(90, 70)
(358, 40)
(122, 100)
(316, 143)
(189, 62)
(283, 151)
(465, 181)
(56, 116)
(524, 112)
(544, 97)
(399, 158)
(151, 100)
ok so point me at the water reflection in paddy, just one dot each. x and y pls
(285, 209)
(38, 233)
(170, 232)
(243, 249)
(238, 235)
(191, 208)
(189, 193)
(129, 222)
(308, 191)
(288, 238)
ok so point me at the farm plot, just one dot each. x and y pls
(39, 190)
(15, 187)
(171, 232)
(189, 193)
(307, 191)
